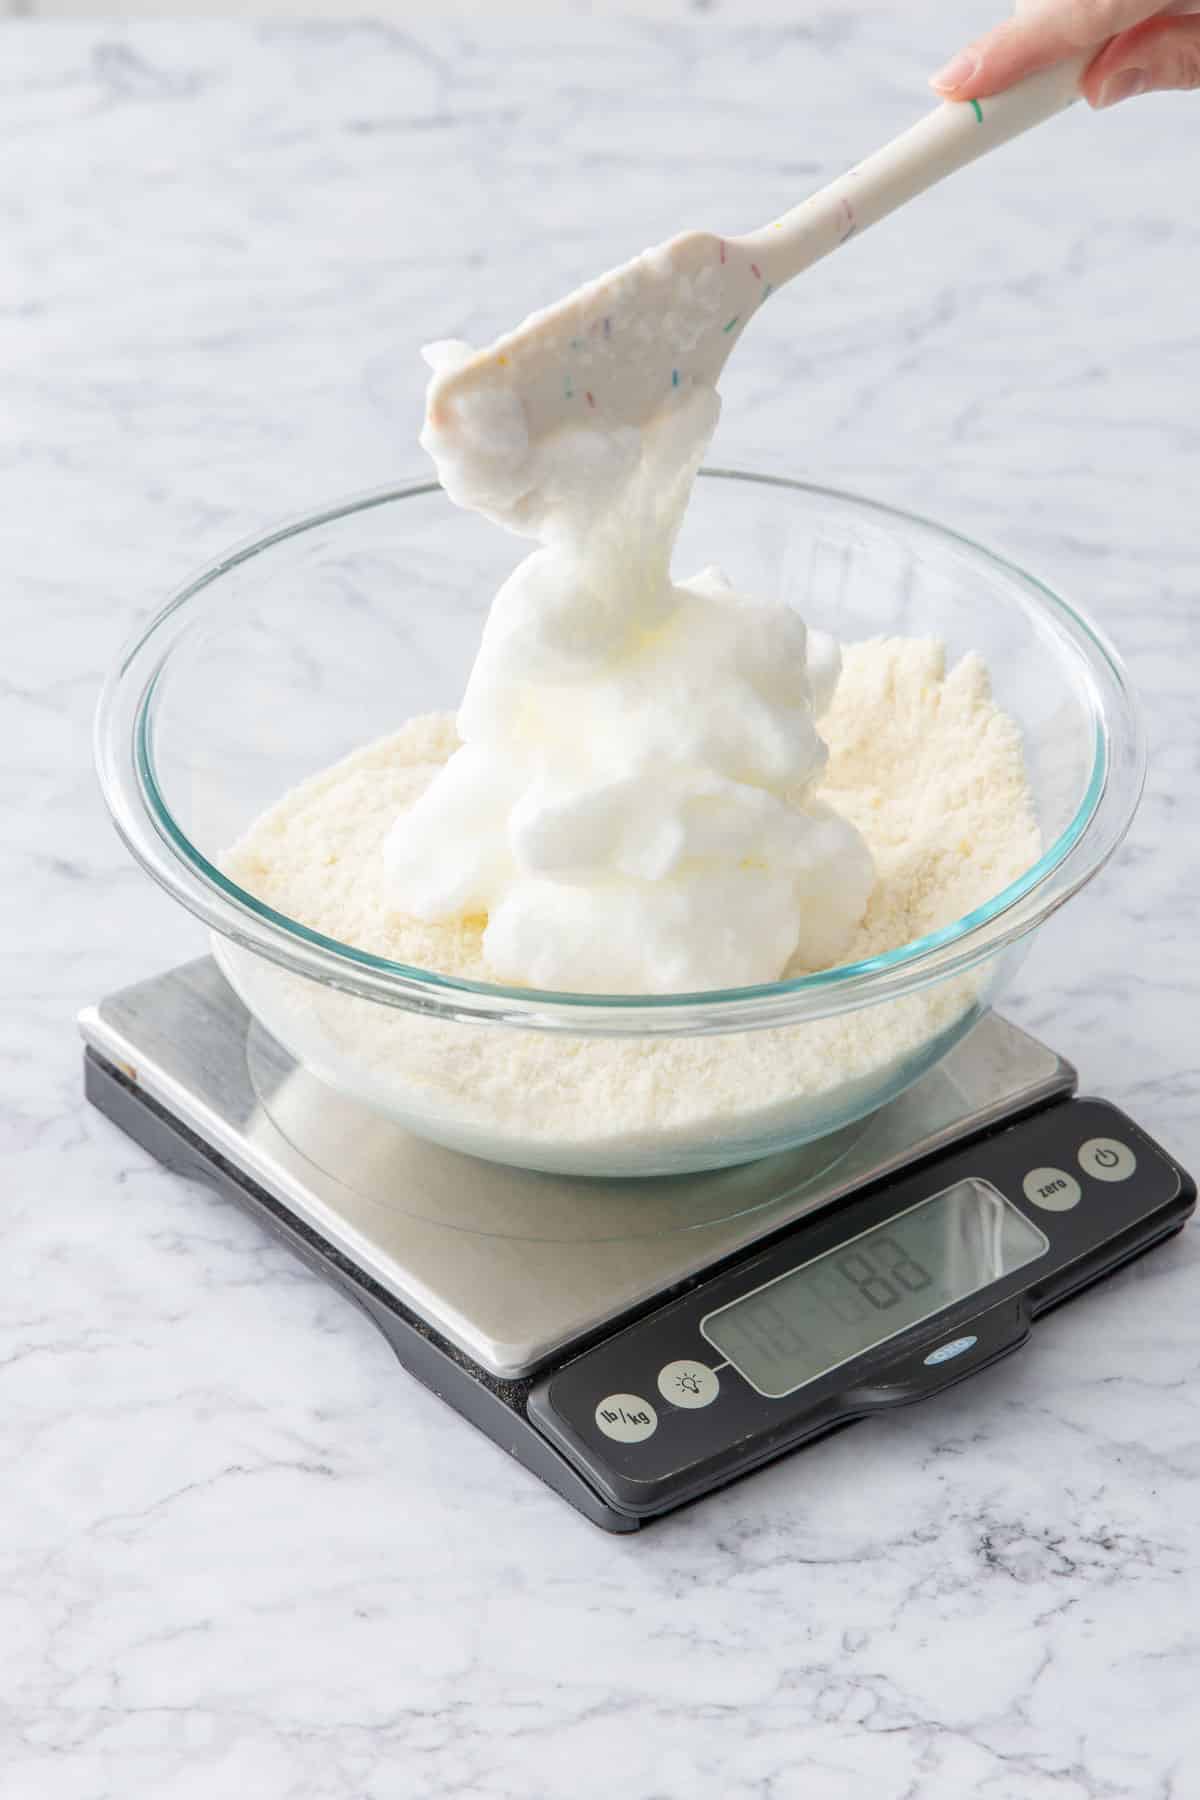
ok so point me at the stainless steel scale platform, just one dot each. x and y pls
(494, 1284)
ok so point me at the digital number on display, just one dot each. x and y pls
(854, 1298)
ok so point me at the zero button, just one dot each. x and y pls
(1052, 1189)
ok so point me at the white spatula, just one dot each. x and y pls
(671, 317)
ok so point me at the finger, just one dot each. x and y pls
(1163, 53)
(1042, 33)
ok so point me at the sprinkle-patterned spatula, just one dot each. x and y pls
(671, 317)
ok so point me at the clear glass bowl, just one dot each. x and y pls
(296, 648)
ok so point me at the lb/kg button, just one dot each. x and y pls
(626, 1418)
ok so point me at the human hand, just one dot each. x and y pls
(1139, 47)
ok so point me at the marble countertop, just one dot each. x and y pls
(242, 1554)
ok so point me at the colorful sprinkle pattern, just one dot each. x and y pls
(577, 344)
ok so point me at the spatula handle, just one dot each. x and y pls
(946, 139)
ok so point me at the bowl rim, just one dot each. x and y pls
(124, 751)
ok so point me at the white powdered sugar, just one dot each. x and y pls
(920, 759)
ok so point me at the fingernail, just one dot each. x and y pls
(1122, 86)
(957, 72)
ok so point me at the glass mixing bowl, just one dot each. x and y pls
(296, 648)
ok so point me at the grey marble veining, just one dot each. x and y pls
(241, 1554)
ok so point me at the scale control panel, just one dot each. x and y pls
(884, 1299)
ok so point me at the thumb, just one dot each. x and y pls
(1041, 32)
(1163, 53)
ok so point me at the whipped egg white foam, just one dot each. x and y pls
(632, 806)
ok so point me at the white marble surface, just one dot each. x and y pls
(241, 1554)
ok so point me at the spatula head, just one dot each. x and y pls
(611, 353)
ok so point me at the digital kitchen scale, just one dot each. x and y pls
(638, 1343)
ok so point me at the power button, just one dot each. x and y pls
(1107, 1159)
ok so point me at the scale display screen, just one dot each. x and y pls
(832, 1309)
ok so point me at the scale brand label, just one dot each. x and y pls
(947, 1352)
